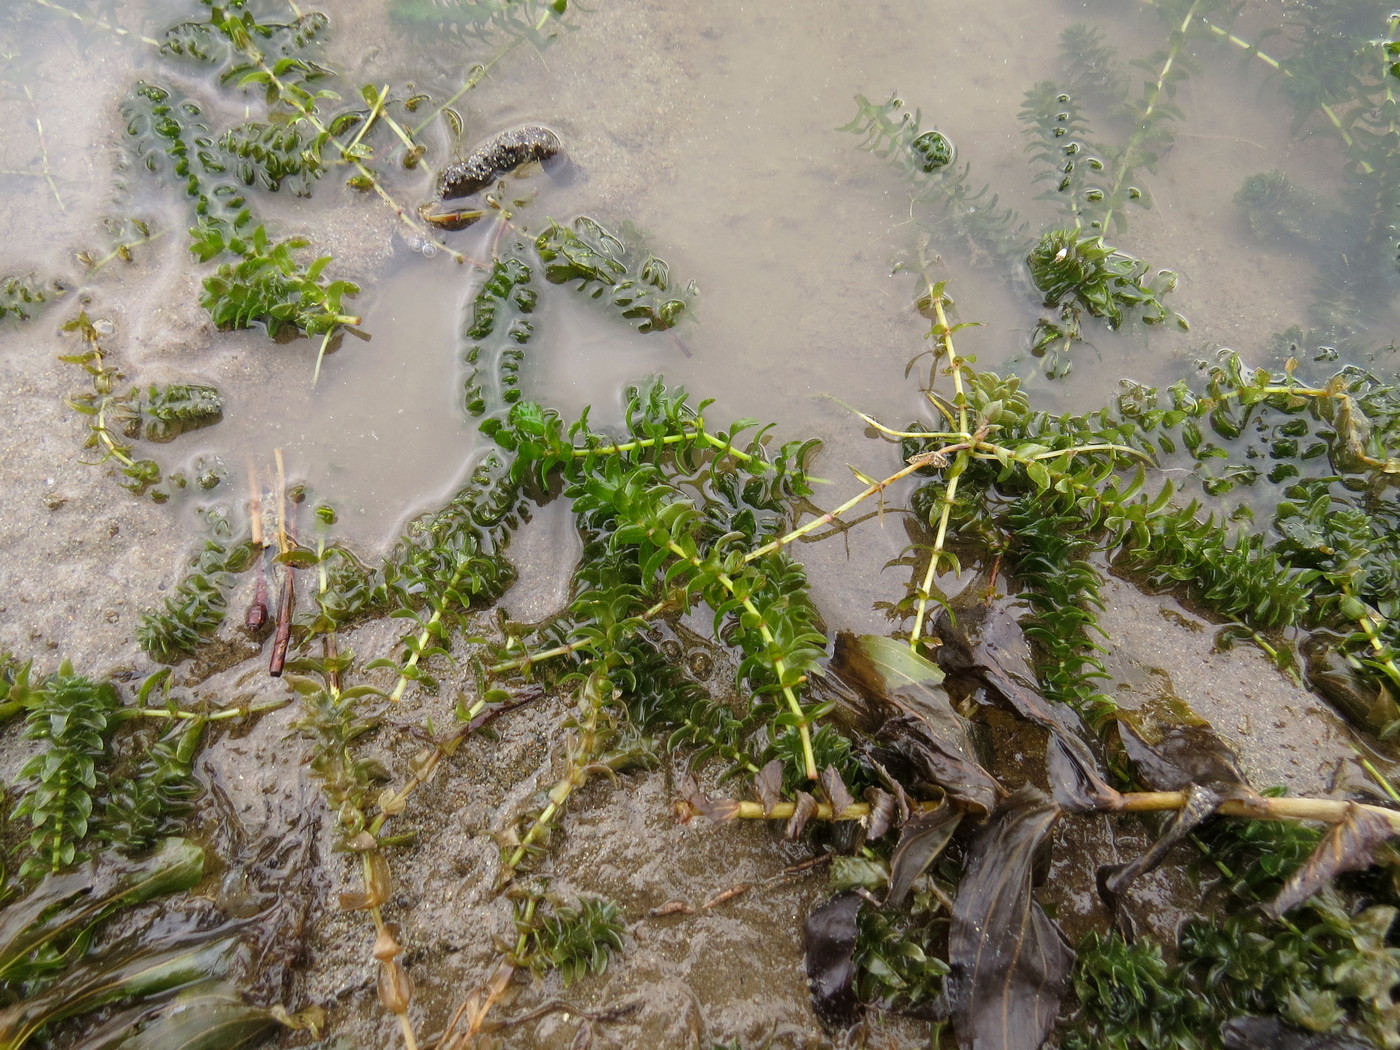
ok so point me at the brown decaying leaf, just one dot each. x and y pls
(769, 784)
(921, 840)
(995, 668)
(1076, 789)
(878, 678)
(804, 807)
(1184, 755)
(718, 810)
(882, 813)
(829, 938)
(1010, 962)
(836, 792)
(1349, 845)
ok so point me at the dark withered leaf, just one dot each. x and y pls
(1185, 755)
(718, 810)
(1076, 789)
(921, 840)
(829, 939)
(1114, 880)
(902, 806)
(768, 782)
(942, 761)
(836, 791)
(1269, 1033)
(803, 809)
(901, 695)
(1000, 671)
(882, 813)
(1349, 845)
(1011, 964)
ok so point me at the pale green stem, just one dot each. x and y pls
(935, 556)
(832, 515)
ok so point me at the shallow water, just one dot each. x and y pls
(712, 128)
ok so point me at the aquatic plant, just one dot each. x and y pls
(22, 296)
(679, 518)
(156, 414)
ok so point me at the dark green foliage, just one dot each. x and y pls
(1077, 272)
(157, 790)
(496, 330)
(169, 411)
(73, 716)
(575, 940)
(1133, 1000)
(267, 285)
(176, 627)
(44, 931)
(170, 137)
(264, 283)
(233, 42)
(898, 957)
(269, 154)
(21, 297)
(1328, 965)
(1048, 547)
(632, 283)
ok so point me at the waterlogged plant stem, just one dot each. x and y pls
(1124, 166)
(1325, 810)
(584, 752)
(308, 113)
(684, 435)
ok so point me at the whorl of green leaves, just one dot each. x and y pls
(1060, 145)
(22, 296)
(181, 622)
(170, 137)
(267, 284)
(452, 562)
(1048, 545)
(333, 719)
(1327, 966)
(633, 284)
(659, 695)
(1076, 271)
(148, 802)
(230, 38)
(269, 154)
(575, 940)
(171, 410)
(73, 716)
(945, 195)
(495, 332)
